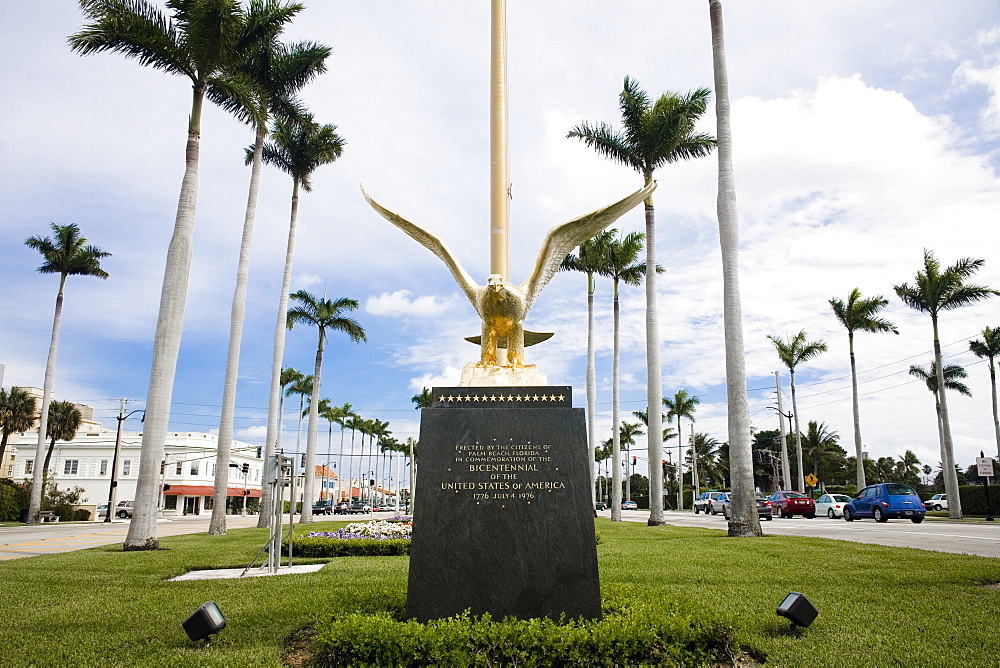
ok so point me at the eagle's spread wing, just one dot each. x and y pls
(434, 244)
(562, 239)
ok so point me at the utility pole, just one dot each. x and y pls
(112, 492)
(786, 469)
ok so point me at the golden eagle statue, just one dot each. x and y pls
(502, 305)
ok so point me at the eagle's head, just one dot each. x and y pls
(494, 282)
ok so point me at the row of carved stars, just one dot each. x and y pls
(501, 397)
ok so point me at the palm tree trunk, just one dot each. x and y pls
(654, 380)
(695, 487)
(616, 453)
(592, 388)
(950, 475)
(745, 521)
(166, 345)
(350, 466)
(309, 486)
(680, 466)
(340, 466)
(217, 525)
(278, 355)
(857, 416)
(3, 444)
(993, 387)
(801, 485)
(38, 479)
(48, 458)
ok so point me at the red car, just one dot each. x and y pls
(787, 504)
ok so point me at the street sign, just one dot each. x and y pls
(811, 480)
(985, 466)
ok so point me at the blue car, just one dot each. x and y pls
(884, 501)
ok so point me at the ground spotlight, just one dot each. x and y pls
(204, 621)
(797, 609)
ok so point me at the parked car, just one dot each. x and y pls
(600, 505)
(124, 509)
(832, 505)
(715, 506)
(937, 502)
(884, 501)
(102, 510)
(703, 503)
(360, 507)
(763, 507)
(630, 505)
(323, 508)
(786, 503)
(342, 508)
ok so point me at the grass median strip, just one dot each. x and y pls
(878, 605)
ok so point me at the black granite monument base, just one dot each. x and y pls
(503, 521)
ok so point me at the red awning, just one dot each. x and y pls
(205, 490)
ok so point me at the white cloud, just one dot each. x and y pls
(447, 378)
(404, 303)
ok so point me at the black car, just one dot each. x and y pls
(323, 508)
(600, 505)
(763, 507)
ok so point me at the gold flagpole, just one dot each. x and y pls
(499, 173)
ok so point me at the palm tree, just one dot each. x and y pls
(63, 420)
(744, 520)
(619, 263)
(654, 134)
(908, 468)
(952, 374)
(819, 444)
(324, 314)
(17, 415)
(792, 352)
(277, 73)
(706, 452)
(200, 41)
(592, 254)
(297, 147)
(860, 314)
(303, 387)
(626, 437)
(423, 400)
(987, 348)
(341, 414)
(66, 253)
(682, 405)
(668, 432)
(935, 290)
(289, 377)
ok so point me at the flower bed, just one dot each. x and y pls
(358, 539)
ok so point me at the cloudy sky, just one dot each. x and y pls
(863, 133)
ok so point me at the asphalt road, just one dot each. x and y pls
(979, 538)
(938, 535)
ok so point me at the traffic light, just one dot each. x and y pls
(245, 468)
(633, 460)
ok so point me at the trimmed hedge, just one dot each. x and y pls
(354, 547)
(639, 634)
(974, 499)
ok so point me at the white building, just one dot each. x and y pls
(187, 474)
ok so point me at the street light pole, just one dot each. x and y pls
(112, 496)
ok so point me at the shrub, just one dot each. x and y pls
(13, 498)
(319, 546)
(81, 515)
(639, 634)
(974, 499)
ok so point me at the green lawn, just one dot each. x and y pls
(878, 606)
